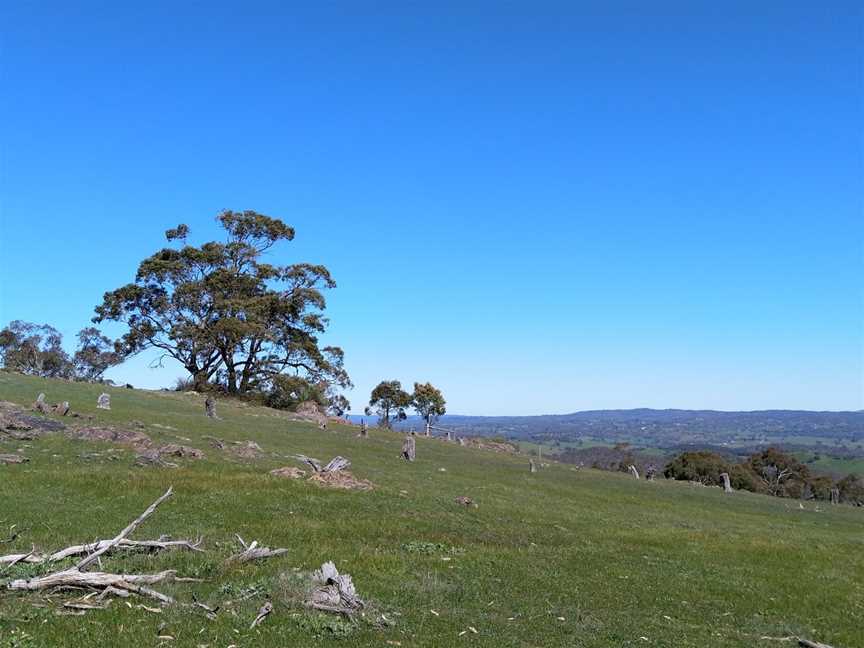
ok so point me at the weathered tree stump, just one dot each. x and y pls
(210, 407)
(651, 472)
(633, 471)
(334, 592)
(409, 449)
(532, 466)
(449, 435)
(727, 485)
(835, 495)
(364, 431)
(104, 402)
(40, 405)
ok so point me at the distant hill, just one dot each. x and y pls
(668, 427)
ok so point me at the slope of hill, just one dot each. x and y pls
(558, 558)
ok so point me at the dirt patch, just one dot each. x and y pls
(341, 479)
(246, 450)
(289, 472)
(129, 438)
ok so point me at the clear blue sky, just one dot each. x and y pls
(540, 207)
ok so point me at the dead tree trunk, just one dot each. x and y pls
(409, 448)
(364, 431)
(449, 435)
(210, 407)
(835, 495)
(727, 485)
(532, 466)
(633, 471)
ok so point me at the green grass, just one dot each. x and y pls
(560, 558)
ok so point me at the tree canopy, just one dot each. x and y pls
(95, 354)
(34, 349)
(389, 401)
(428, 402)
(225, 314)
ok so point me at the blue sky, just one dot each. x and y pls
(540, 207)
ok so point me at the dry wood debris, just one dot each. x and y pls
(252, 552)
(334, 592)
(78, 577)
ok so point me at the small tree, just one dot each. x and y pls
(35, 350)
(95, 355)
(388, 401)
(428, 402)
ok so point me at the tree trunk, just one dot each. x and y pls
(409, 448)
(727, 485)
(532, 466)
(633, 471)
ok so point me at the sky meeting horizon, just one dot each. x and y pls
(538, 207)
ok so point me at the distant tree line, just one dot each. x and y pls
(770, 471)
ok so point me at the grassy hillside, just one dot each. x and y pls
(559, 558)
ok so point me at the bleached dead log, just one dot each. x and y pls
(135, 583)
(727, 484)
(409, 448)
(806, 643)
(61, 409)
(12, 459)
(253, 552)
(334, 465)
(335, 592)
(77, 577)
(40, 405)
(633, 471)
(263, 611)
(77, 550)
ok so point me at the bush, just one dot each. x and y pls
(702, 466)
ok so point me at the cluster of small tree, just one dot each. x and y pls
(235, 322)
(770, 471)
(37, 350)
(390, 402)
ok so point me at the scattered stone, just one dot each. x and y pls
(465, 501)
(310, 411)
(104, 402)
(288, 472)
(130, 438)
(486, 444)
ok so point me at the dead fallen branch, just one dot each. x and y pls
(12, 459)
(76, 577)
(806, 643)
(263, 611)
(77, 550)
(253, 552)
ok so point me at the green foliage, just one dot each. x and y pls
(428, 548)
(95, 355)
(389, 401)
(781, 473)
(34, 350)
(324, 625)
(225, 314)
(704, 467)
(428, 401)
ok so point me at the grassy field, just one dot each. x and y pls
(559, 558)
